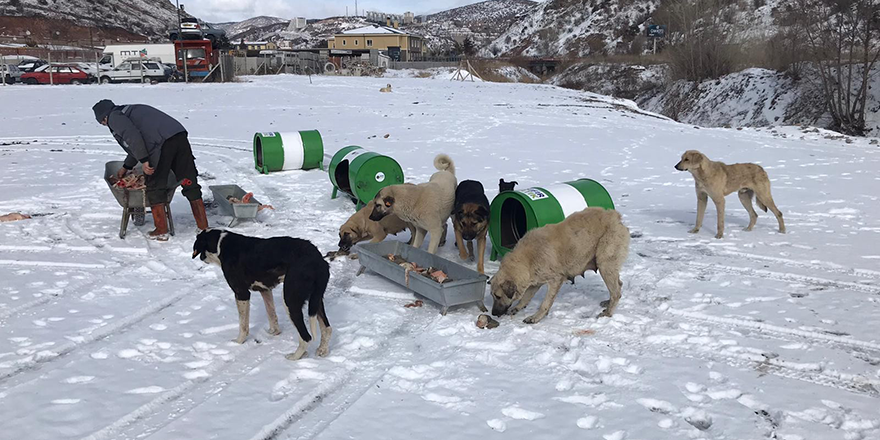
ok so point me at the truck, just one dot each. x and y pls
(200, 57)
(117, 53)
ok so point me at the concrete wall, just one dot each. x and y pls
(422, 64)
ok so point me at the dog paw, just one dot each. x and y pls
(240, 339)
(694, 231)
(719, 235)
(782, 231)
(532, 319)
(274, 331)
(322, 351)
(296, 356)
(605, 314)
(463, 255)
(748, 229)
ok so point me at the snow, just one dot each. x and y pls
(370, 30)
(758, 335)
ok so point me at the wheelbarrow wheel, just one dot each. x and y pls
(139, 216)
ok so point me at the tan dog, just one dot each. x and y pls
(717, 180)
(426, 206)
(360, 228)
(386, 89)
(592, 239)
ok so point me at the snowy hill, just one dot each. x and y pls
(590, 27)
(150, 18)
(483, 21)
(759, 335)
(252, 27)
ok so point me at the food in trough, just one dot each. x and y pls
(247, 199)
(428, 272)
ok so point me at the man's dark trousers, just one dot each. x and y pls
(178, 158)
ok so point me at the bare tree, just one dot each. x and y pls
(843, 41)
(701, 38)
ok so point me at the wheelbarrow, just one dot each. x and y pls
(238, 211)
(134, 202)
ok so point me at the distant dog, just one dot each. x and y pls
(470, 218)
(717, 180)
(260, 264)
(360, 228)
(426, 206)
(386, 89)
(506, 186)
(592, 239)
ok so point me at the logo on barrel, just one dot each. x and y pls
(268, 135)
(380, 177)
(534, 193)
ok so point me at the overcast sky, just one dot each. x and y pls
(236, 10)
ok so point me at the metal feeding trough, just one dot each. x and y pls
(134, 202)
(295, 150)
(360, 174)
(513, 213)
(466, 286)
(238, 211)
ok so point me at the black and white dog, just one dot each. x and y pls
(260, 264)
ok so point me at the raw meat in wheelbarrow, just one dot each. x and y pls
(131, 181)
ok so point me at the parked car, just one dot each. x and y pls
(30, 65)
(130, 71)
(60, 74)
(91, 68)
(192, 29)
(10, 73)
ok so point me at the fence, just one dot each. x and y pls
(293, 63)
(422, 64)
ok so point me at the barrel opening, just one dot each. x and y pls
(341, 175)
(513, 223)
(258, 148)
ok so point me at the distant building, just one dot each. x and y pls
(259, 45)
(399, 45)
(297, 24)
(421, 19)
(408, 17)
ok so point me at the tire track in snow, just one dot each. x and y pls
(765, 328)
(786, 277)
(171, 395)
(866, 273)
(34, 362)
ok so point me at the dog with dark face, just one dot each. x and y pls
(360, 228)
(506, 186)
(261, 264)
(426, 206)
(593, 239)
(470, 219)
(716, 180)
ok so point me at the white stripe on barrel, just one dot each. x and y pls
(570, 199)
(293, 150)
(352, 154)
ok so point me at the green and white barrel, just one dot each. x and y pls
(295, 150)
(513, 213)
(361, 174)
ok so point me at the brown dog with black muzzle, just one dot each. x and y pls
(470, 219)
(360, 228)
(716, 180)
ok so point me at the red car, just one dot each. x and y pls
(60, 75)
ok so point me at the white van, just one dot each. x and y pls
(118, 53)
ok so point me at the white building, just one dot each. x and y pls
(408, 17)
(297, 24)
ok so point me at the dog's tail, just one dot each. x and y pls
(313, 283)
(751, 194)
(444, 163)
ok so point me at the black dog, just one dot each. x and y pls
(260, 264)
(506, 186)
(470, 218)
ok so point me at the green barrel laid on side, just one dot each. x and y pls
(295, 150)
(361, 174)
(513, 213)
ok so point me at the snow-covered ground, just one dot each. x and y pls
(759, 335)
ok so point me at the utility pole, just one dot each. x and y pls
(182, 52)
(355, 8)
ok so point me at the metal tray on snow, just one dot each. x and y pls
(467, 286)
(238, 211)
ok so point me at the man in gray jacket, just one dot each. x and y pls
(160, 144)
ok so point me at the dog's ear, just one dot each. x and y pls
(508, 289)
